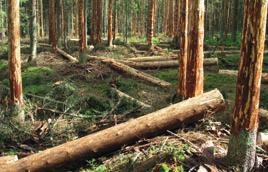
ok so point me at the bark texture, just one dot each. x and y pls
(113, 138)
(183, 48)
(15, 80)
(150, 28)
(110, 23)
(52, 24)
(82, 30)
(242, 145)
(195, 72)
(33, 30)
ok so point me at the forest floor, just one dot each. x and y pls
(66, 101)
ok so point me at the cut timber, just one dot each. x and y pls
(61, 52)
(208, 62)
(152, 58)
(113, 138)
(121, 94)
(66, 55)
(5, 160)
(135, 73)
(264, 79)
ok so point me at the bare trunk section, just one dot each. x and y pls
(181, 90)
(195, 72)
(110, 24)
(242, 145)
(15, 80)
(41, 19)
(150, 29)
(82, 30)
(113, 138)
(33, 30)
(114, 19)
(52, 24)
(98, 21)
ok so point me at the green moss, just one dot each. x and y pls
(3, 65)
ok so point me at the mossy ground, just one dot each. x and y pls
(85, 91)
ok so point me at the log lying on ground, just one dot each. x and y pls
(210, 63)
(113, 138)
(153, 58)
(66, 55)
(135, 73)
(121, 94)
(61, 52)
(5, 160)
(235, 73)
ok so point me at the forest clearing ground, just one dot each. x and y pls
(68, 101)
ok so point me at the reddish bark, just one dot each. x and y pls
(176, 18)
(110, 23)
(183, 47)
(114, 20)
(52, 24)
(82, 30)
(93, 22)
(16, 97)
(99, 21)
(195, 71)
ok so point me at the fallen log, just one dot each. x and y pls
(121, 94)
(113, 138)
(208, 62)
(61, 52)
(66, 55)
(264, 79)
(5, 160)
(153, 58)
(135, 73)
(226, 52)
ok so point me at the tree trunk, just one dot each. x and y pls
(33, 30)
(114, 20)
(61, 21)
(110, 23)
(16, 97)
(93, 22)
(142, 18)
(98, 23)
(82, 31)
(52, 24)
(195, 72)
(176, 19)
(181, 90)
(170, 30)
(242, 144)
(235, 20)
(113, 138)
(208, 62)
(41, 19)
(150, 29)
(120, 22)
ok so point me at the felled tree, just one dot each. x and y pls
(242, 144)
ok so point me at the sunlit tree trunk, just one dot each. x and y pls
(110, 23)
(242, 144)
(183, 48)
(195, 71)
(33, 30)
(150, 29)
(52, 24)
(16, 97)
(82, 31)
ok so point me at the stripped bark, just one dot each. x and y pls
(181, 89)
(113, 138)
(14, 61)
(5, 160)
(242, 144)
(195, 72)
